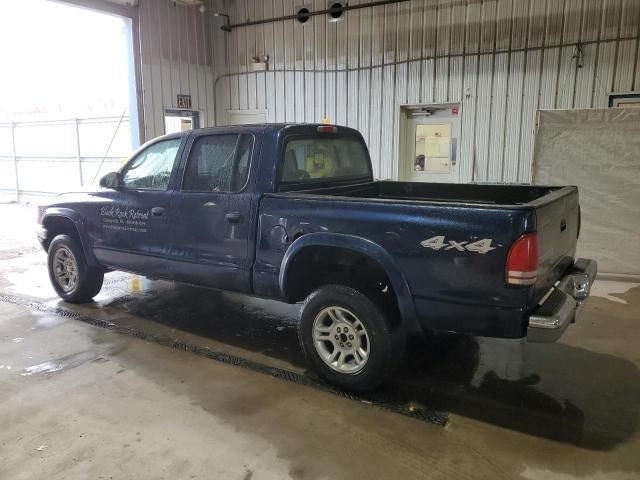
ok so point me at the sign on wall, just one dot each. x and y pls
(184, 101)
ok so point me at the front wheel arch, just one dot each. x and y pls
(88, 280)
(64, 221)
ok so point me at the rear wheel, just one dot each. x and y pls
(348, 338)
(73, 280)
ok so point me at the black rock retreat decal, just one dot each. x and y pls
(124, 219)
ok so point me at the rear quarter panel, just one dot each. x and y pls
(448, 276)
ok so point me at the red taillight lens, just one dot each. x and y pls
(522, 261)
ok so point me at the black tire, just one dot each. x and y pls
(88, 280)
(386, 342)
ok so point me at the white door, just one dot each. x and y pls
(431, 153)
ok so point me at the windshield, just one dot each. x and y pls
(324, 159)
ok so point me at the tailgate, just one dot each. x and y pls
(558, 223)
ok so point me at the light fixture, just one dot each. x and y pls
(336, 10)
(303, 13)
(226, 26)
(260, 63)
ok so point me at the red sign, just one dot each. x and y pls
(184, 101)
(454, 111)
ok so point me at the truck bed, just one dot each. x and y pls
(466, 194)
(400, 215)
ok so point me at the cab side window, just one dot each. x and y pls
(151, 169)
(218, 163)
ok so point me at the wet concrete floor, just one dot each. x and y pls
(80, 401)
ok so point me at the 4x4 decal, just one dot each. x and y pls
(438, 242)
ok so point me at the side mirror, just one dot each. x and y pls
(111, 180)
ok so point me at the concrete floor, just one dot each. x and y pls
(79, 401)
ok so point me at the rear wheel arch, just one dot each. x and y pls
(318, 259)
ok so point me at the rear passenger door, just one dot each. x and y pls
(212, 213)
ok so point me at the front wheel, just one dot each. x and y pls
(73, 280)
(348, 338)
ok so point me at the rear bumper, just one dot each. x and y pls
(563, 305)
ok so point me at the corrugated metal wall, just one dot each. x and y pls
(177, 56)
(501, 60)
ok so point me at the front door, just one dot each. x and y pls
(128, 229)
(212, 215)
(431, 148)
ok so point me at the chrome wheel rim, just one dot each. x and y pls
(341, 340)
(65, 269)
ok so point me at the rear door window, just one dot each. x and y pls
(218, 163)
(323, 159)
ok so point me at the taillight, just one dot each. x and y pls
(522, 260)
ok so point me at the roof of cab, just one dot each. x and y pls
(254, 127)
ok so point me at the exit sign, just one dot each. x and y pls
(184, 101)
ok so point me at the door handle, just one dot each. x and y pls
(234, 217)
(157, 211)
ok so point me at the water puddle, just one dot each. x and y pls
(60, 364)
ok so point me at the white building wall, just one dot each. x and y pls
(501, 59)
(177, 55)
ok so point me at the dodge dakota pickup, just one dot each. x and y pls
(292, 212)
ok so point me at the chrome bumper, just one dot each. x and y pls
(564, 304)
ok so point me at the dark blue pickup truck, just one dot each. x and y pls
(292, 212)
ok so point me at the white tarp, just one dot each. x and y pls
(599, 151)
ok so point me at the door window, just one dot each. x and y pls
(433, 148)
(218, 163)
(180, 120)
(151, 169)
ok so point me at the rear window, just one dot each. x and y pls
(323, 159)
